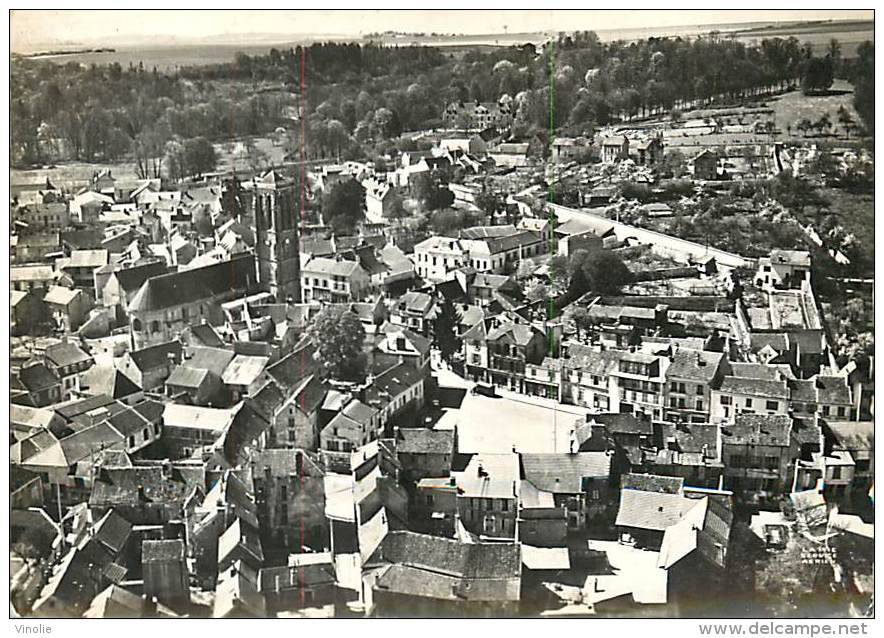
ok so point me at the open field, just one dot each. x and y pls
(790, 108)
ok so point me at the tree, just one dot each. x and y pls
(864, 85)
(559, 271)
(845, 119)
(537, 292)
(338, 336)
(343, 206)
(818, 75)
(445, 329)
(199, 156)
(489, 202)
(601, 271)
(431, 191)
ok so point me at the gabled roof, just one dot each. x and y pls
(61, 296)
(756, 387)
(37, 377)
(326, 266)
(244, 370)
(131, 279)
(153, 357)
(651, 510)
(66, 354)
(623, 423)
(758, 429)
(564, 473)
(295, 366)
(442, 568)
(87, 259)
(189, 286)
(694, 365)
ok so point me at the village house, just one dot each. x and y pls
(689, 378)
(614, 149)
(639, 384)
(758, 452)
(586, 379)
(766, 391)
(579, 482)
(379, 199)
(425, 453)
(81, 267)
(335, 280)
(705, 165)
(414, 310)
(290, 498)
(150, 367)
(67, 308)
(487, 494)
(26, 312)
(477, 116)
(784, 269)
(187, 428)
(436, 257)
(68, 361)
(32, 278)
(426, 576)
(34, 247)
(34, 384)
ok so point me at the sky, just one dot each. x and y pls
(37, 29)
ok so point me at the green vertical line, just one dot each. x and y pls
(550, 309)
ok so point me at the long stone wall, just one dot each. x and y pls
(664, 245)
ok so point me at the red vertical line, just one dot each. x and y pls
(301, 113)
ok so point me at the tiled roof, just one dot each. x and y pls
(61, 296)
(88, 259)
(564, 473)
(66, 353)
(156, 356)
(651, 510)
(755, 387)
(131, 279)
(244, 370)
(652, 483)
(326, 266)
(424, 441)
(37, 377)
(832, 390)
(187, 377)
(694, 365)
(189, 286)
(623, 423)
(758, 429)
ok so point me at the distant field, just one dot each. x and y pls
(165, 58)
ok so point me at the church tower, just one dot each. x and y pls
(276, 236)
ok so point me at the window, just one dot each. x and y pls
(146, 433)
(772, 405)
(699, 404)
(132, 441)
(699, 390)
(673, 386)
(825, 410)
(748, 403)
(836, 472)
(725, 400)
(841, 411)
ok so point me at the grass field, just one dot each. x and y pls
(791, 108)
